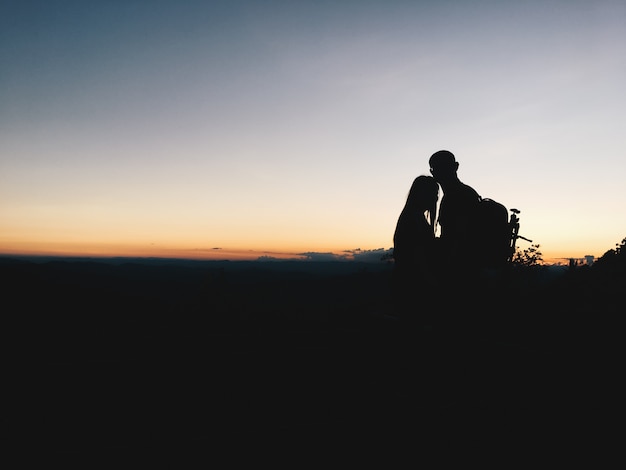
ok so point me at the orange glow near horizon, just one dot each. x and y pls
(104, 250)
(118, 250)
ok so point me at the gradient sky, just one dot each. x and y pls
(271, 128)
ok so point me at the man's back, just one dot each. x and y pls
(458, 204)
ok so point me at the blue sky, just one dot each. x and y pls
(275, 127)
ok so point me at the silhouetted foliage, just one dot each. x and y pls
(530, 256)
(614, 260)
(618, 251)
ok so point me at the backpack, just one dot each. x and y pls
(491, 234)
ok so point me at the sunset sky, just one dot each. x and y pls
(228, 129)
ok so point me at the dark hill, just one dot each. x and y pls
(149, 356)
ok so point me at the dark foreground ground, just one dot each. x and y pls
(181, 360)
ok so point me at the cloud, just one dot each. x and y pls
(370, 256)
(316, 256)
(357, 254)
(276, 258)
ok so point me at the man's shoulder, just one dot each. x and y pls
(465, 191)
(471, 191)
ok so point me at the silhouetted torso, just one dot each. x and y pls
(413, 241)
(457, 208)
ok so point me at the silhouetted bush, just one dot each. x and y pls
(530, 256)
(613, 261)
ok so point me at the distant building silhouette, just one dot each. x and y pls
(573, 262)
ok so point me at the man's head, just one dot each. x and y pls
(443, 165)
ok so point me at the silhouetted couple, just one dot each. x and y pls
(426, 265)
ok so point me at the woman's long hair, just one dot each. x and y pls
(421, 190)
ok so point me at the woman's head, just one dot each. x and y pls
(424, 192)
(423, 196)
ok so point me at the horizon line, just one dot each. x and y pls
(304, 258)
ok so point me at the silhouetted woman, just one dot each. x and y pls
(414, 245)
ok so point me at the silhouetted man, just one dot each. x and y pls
(458, 205)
